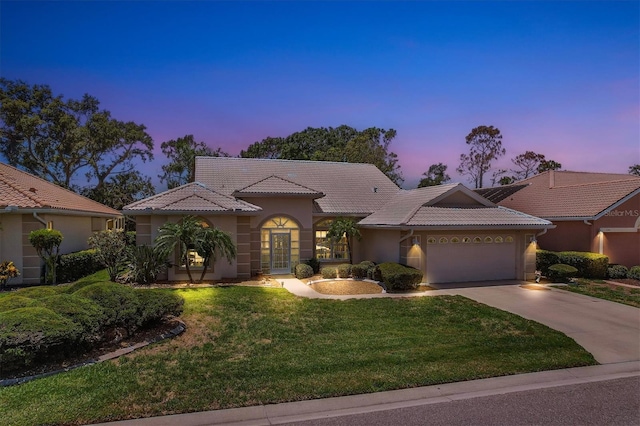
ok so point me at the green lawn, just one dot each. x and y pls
(247, 346)
(621, 294)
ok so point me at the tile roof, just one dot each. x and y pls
(565, 194)
(28, 192)
(349, 188)
(499, 193)
(192, 197)
(275, 185)
(451, 205)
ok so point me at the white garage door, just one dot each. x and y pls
(470, 258)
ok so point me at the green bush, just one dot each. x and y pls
(618, 271)
(35, 333)
(359, 271)
(314, 263)
(329, 272)
(399, 277)
(130, 238)
(144, 264)
(562, 273)
(589, 265)
(544, 259)
(15, 301)
(73, 266)
(374, 273)
(82, 311)
(367, 264)
(38, 292)
(156, 305)
(634, 273)
(120, 303)
(344, 270)
(303, 271)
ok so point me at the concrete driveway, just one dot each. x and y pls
(609, 330)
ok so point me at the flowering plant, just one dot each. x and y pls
(7, 271)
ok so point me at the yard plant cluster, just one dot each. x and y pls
(582, 265)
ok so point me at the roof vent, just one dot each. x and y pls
(32, 190)
(374, 189)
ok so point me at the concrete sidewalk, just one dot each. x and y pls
(380, 401)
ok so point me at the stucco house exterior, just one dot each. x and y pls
(595, 212)
(28, 203)
(278, 213)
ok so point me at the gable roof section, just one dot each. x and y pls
(447, 206)
(349, 188)
(192, 197)
(275, 185)
(572, 195)
(25, 192)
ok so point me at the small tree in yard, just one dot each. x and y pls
(47, 244)
(344, 227)
(110, 248)
(7, 271)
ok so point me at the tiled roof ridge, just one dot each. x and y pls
(519, 213)
(284, 160)
(195, 194)
(180, 188)
(19, 188)
(417, 208)
(281, 178)
(604, 182)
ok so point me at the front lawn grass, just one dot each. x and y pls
(611, 292)
(246, 346)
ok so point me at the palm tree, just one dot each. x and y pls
(182, 235)
(212, 242)
(344, 227)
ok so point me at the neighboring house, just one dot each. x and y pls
(278, 213)
(28, 203)
(596, 212)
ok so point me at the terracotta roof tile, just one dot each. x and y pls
(26, 191)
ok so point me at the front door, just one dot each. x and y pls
(280, 253)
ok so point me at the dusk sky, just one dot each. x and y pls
(557, 78)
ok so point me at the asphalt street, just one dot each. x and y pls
(612, 402)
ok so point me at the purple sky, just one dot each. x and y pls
(557, 78)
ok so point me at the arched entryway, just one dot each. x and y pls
(279, 245)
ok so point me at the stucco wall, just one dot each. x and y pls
(11, 243)
(378, 246)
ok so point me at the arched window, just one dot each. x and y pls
(279, 245)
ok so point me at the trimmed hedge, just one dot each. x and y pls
(359, 271)
(38, 291)
(634, 273)
(618, 271)
(329, 272)
(314, 263)
(344, 270)
(73, 266)
(154, 306)
(15, 301)
(82, 311)
(561, 272)
(399, 277)
(120, 303)
(303, 271)
(589, 265)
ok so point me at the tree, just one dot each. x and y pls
(59, 140)
(634, 170)
(111, 250)
(526, 164)
(122, 189)
(485, 146)
(344, 227)
(182, 153)
(47, 244)
(547, 165)
(436, 175)
(212, 243)
(342, 143)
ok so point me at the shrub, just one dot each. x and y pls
(329, 272)
(130, 238)
(156, 305)
(47, 244)
(634, 273)
(561, 272)
(38, 292)
(73, 266)
(618, 271)
(15, 301)
(82, 311)
(399, 277)
(359, 271)
(144, 264)
(344, 270)
(589, 265)
(367, 264)
(314, 263)
(111, 250)
(120, 303)
(7, 271)
(30, 334)
(374, 273)
(544, 259)
(303, 271)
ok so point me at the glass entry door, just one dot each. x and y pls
(280, 253)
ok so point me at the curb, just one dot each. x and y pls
(179, 329)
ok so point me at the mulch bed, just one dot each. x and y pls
(345, 287)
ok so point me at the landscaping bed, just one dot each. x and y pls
(345, 287)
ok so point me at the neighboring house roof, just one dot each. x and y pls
(192, 197)
(349, 188)
(21, 191)
(448, 206)
(274, 185)
(572, 195)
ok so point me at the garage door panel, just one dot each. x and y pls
(470, 262)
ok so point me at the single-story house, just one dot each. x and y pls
(28, 203)
(278, 213)
(596, 212)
